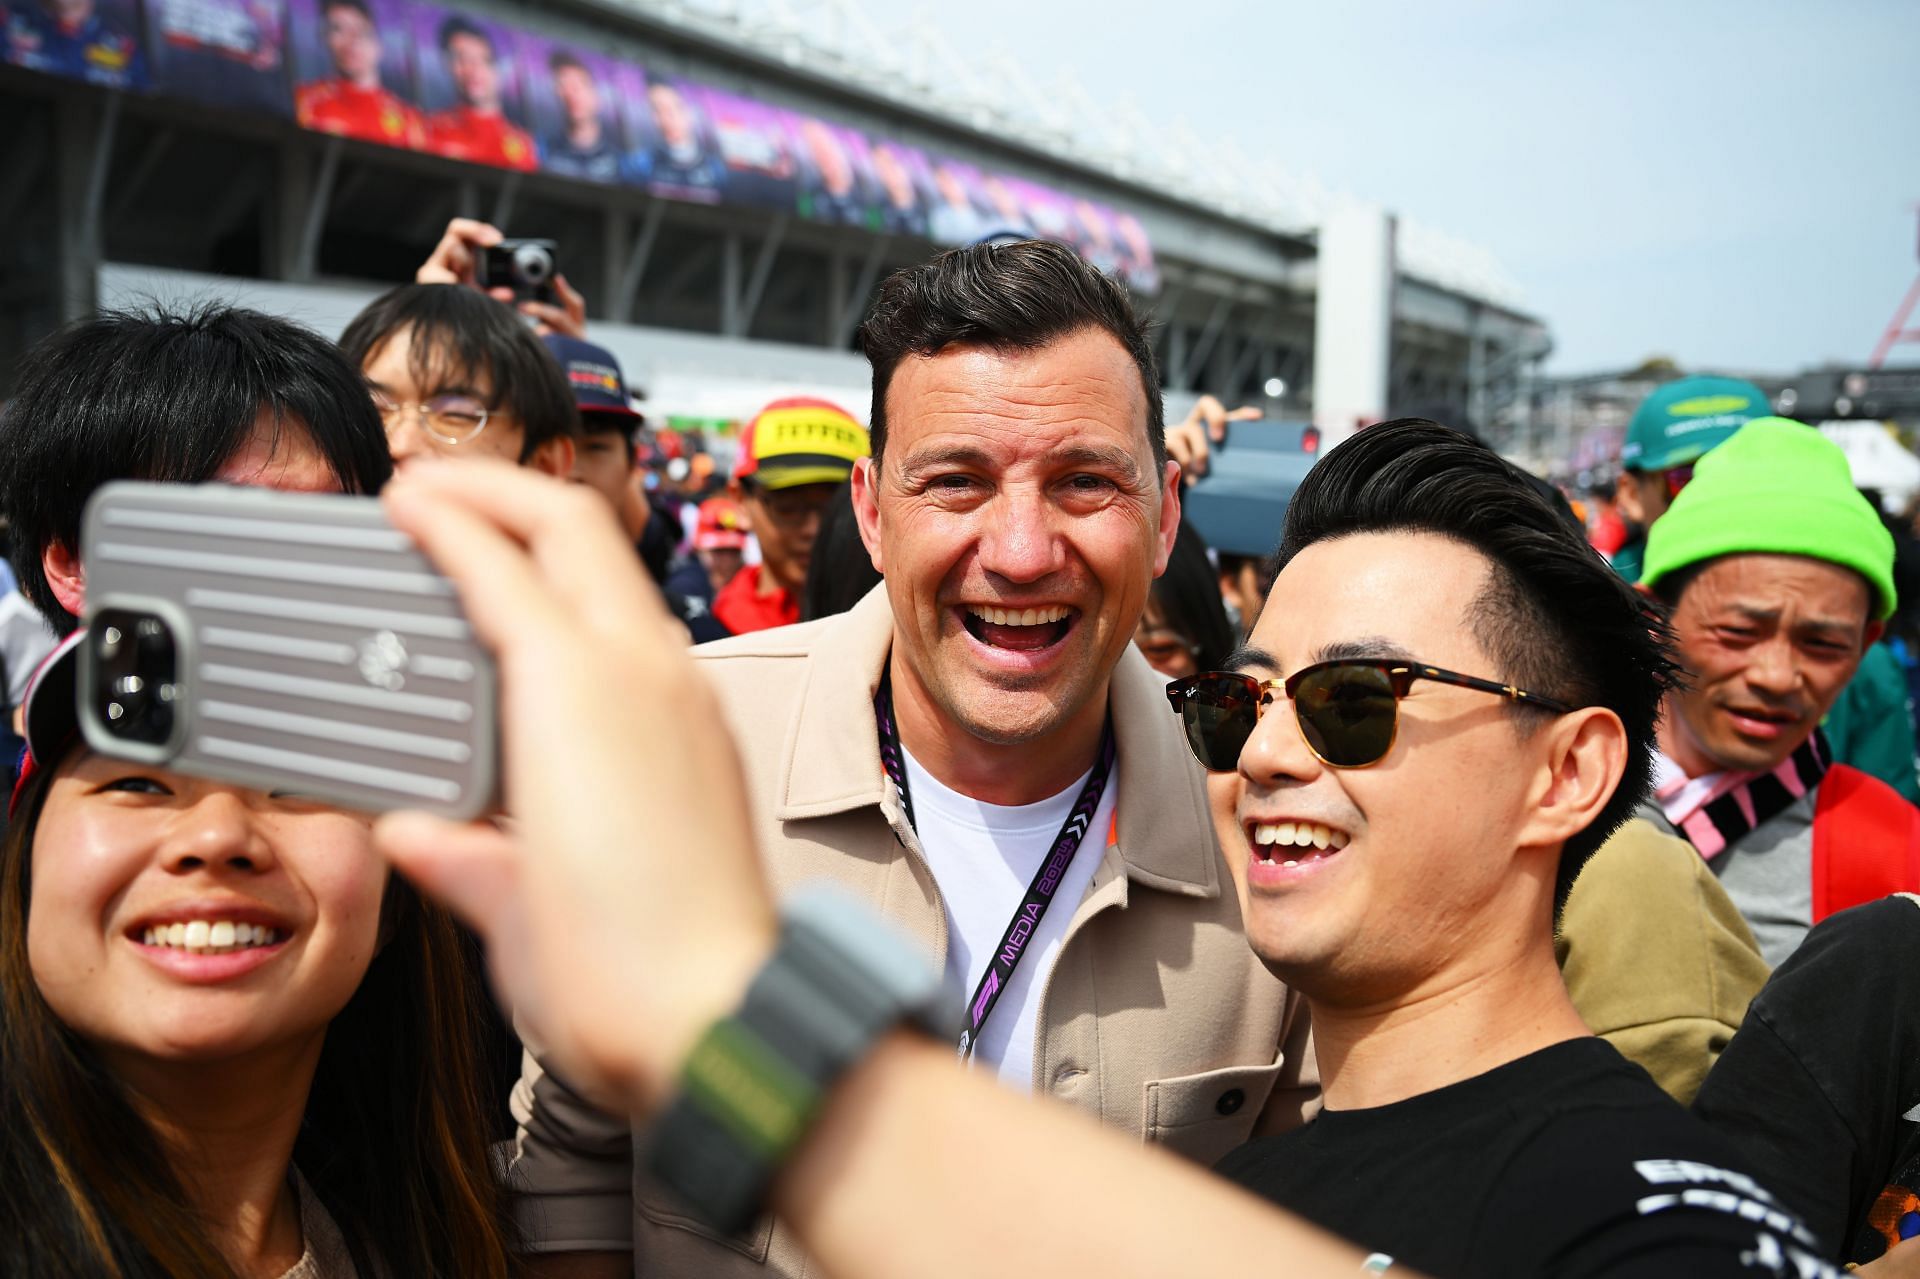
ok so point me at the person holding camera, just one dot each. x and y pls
(455, 259)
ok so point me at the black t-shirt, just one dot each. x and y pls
(1568, 1162)
(1820, 1088)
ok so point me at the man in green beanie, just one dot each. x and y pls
(1779, 576)
(1671, 430)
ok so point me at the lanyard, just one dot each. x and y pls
(1033, 906)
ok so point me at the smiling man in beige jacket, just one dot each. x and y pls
(978, 750)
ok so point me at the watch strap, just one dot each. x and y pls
(839, 978)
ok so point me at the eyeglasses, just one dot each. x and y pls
(1677, 478)
(1348, 711)
(1163, 646)
(793, 507)
(451, 419)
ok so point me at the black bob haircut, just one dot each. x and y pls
(456, 26)
(1188, 596)
(1006, 297)
(1554, 617)
(167, 395)
(463, 338)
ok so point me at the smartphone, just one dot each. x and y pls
(525, 266)
(284, 642)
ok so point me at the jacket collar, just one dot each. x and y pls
(833, 753)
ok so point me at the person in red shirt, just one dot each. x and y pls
(475, 129)
(352, 102)
(792, 458)
(1606, 531)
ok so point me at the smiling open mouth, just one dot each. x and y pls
(1026, 630)
(204, 937)
(1295, 843)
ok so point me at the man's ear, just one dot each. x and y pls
(1626, 496)
(1586, 756)
(1169, 517)
(66, 576)
(865, 494)
(554, 457)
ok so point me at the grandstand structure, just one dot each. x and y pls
(182, 187)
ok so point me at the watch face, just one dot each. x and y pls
(895, 965)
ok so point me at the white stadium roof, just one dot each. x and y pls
(915, 67)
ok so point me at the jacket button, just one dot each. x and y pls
(1230, 1100)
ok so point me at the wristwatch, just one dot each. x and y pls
(840, 978)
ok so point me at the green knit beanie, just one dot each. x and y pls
(1776, 487)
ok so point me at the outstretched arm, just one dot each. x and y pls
(629, 913)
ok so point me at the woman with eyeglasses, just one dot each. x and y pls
(232, 1044)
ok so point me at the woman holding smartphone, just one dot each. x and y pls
(231, 1043)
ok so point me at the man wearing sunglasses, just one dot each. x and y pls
(1447, 706)
(1671, 430)
(978, 750)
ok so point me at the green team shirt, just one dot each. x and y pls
(1630, 559)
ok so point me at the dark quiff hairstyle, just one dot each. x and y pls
(393, 1141)
(1554, 617)
(463, 339)
(1005, 297)
(168, 395)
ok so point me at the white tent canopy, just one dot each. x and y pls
(1879, 461)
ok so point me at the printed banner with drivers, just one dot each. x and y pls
(433, 79)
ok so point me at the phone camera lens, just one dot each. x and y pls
(135, 684)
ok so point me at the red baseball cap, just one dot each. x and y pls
(722, 526)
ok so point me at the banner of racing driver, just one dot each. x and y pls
(421, 76)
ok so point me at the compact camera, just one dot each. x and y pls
(525, 266)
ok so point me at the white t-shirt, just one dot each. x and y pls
(984, 857)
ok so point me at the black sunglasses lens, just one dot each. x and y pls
(1347, 714)
(1219, 713)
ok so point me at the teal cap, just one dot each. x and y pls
(1776, 488)
(1678, 423)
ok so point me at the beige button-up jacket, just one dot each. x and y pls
(1156, 1018)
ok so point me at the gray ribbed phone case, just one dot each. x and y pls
(317, 650)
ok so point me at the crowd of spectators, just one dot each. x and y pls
(1461, 890)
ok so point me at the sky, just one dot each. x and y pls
(1732, 186)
